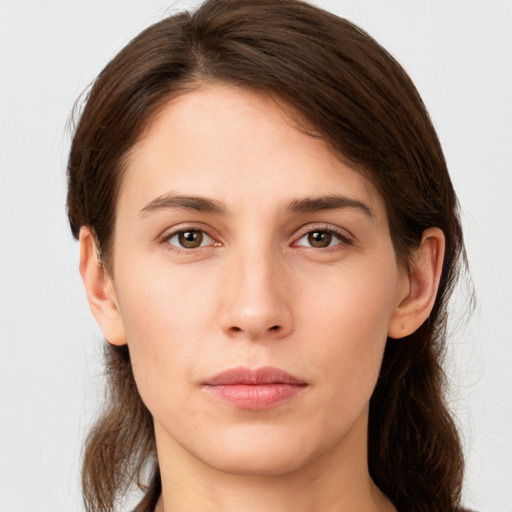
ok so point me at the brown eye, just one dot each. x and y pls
(190, 239)
(319, 239)
(323, 239)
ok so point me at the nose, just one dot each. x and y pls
(256, 305)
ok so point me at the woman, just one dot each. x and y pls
(269, 237)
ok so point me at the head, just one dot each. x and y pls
(319, 84)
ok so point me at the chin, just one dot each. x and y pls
(250, 463)
(259, 453)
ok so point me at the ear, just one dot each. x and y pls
(100, 290)
(417, 297)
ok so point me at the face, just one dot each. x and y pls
(255, 280)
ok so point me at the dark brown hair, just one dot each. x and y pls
(345, 86)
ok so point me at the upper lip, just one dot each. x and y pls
(264, 375)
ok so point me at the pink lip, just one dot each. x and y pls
(261, 388)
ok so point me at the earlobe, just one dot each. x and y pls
(415, 304)
(100, 290)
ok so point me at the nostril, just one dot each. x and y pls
(256, 331)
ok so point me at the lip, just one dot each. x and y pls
(260, 388)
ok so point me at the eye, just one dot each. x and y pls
(321, 239)
(189, 239)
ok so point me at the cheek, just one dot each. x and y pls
(356, 298)
(348, 317)
(165, 304)
(166, 316)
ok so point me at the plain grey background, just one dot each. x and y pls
(458, 52)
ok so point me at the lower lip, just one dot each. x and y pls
(249, 396)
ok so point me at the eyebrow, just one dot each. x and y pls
(317, 204)
(205, 205)
(194, 203)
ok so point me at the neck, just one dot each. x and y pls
(334, 481)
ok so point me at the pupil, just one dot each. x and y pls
(190, 239)
(320, 239)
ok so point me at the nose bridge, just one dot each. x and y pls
(256, 305)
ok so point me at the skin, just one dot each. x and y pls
(255, 292)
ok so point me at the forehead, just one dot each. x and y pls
(238, 146)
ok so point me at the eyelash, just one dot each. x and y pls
(343, 239)
(166, 239)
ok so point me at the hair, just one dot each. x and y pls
(343, 84)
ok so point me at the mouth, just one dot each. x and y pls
(261, 388)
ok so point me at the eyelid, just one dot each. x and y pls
(180, 228)
(206, 237)
(346, 238)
